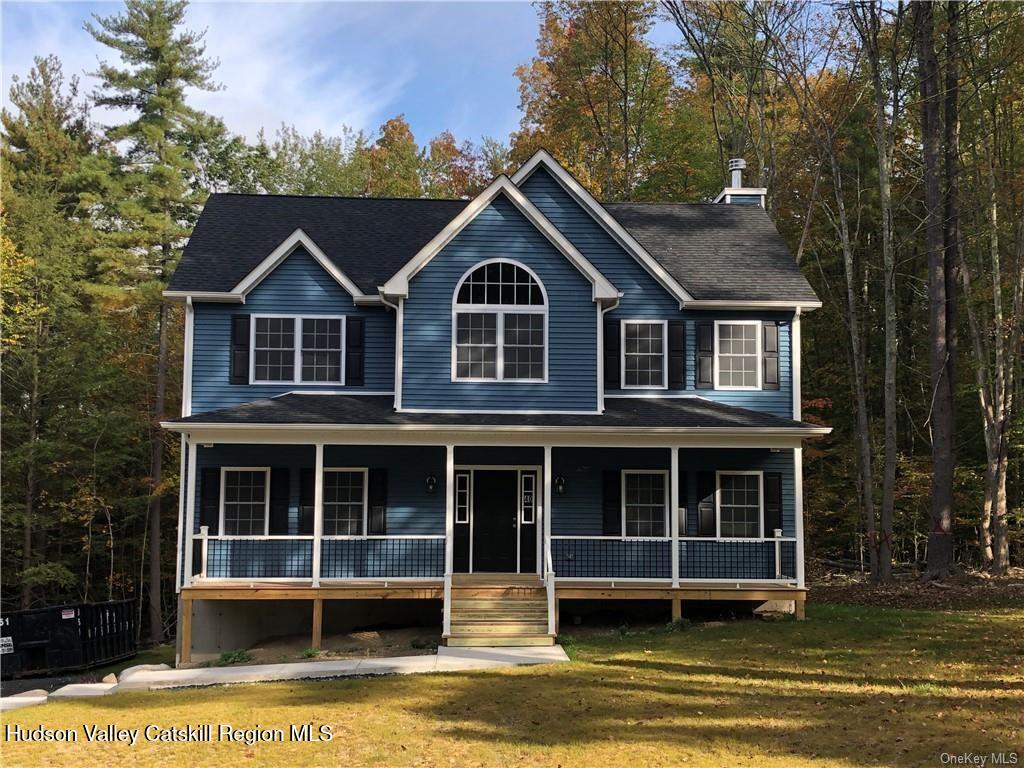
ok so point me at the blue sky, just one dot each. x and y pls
(321, 65)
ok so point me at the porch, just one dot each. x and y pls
(318, 522)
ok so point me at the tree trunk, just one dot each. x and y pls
(156, 460)
(951, 206)
(940, 535)
(1000, 538)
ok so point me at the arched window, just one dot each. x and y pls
(499, 324)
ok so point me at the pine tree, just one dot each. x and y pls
(157, 201)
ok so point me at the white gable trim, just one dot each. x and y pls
(398, 285)
(282, 252)
(602, 217)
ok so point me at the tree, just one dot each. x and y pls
(156, 202)
(451, 169)
(940, 535)
(394, 162)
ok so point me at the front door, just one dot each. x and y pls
(495, 527)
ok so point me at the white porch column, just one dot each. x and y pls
(674, 506)
(318, 510)
(798, 495)
(182, 475)
(794, 345)
(449, 536)
(547, 510)
(190, 511)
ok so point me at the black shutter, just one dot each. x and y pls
(612, 336)
(239, 361)
(354, 351)
(307, 480)
(209, 499)
(705, 503)
(611, 503)
(280, 495)
(677, 354)
(377, 494)
(705, 355)
(770, 355)
(682, 503)
(772, 503)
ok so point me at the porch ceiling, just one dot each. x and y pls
(675, 415)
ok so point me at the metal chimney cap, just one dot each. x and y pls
(737, 164)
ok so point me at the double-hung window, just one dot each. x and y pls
(499, 325)
(644, 503)
(738, 354)
(345, 502)
(740, 505)
(245, 501)
(294, 350)
(644, 354)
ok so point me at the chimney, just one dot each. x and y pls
(737, 165)
(736, 193)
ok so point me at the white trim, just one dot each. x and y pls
(449, 510)
(466, 475)
(622, 493)
(499, 311)
(398, 285)
(530, 474)
(497, 412)
(656, 395)
(740, 583)
(546, 511)
(266, 503)
(190, 509)
(602, 217)
(298, 320)
(186, 374)
(798, 501)
(622, 353)
(365, 472)
(760, 503)
(758, 364)
(182, 479)
(674, 507)
(728, 192)
(282, 252)
(794, 357)
(318, 510)
(723, 540)
(399, 351)
(752, 304)
(346, 392)
(213, 296)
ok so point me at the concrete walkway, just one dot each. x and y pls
(156, 677)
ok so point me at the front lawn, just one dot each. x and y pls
(851, 686)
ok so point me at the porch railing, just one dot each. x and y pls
(290, 558)
(592, 557)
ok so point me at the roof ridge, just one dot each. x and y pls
(275, 195)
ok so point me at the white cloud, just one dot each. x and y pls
(278, 62)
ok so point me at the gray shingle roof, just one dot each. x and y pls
(717, 252)
(354, 410)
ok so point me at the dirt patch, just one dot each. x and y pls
(969, 591)
(361, 644)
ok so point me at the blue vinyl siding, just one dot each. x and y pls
(646, 299)
(500, 231)
(411, 510)
(298, 286)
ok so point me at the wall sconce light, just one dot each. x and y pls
(431, 484)
(559, 485)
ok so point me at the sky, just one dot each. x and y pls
(319, 66)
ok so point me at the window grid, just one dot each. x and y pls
(274, 349)
(462, 497)
(643, 347)
(739, 506)
(321, 349)
(493, 341)
(245, 502)
(644, 503)
(344, 496)
(737, 355)
(529, 497)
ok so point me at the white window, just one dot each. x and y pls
(528, 496)
(738, 354)
(293, 350)
(462, 497)
(644, 503)
(345, 502)
(644, 363)
(244, 501)
(499, 325)
(740, 508)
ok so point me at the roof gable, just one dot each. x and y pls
(398, 285)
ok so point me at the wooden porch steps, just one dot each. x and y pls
(499, 614)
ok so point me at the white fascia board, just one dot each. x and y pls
(762, 191)
(283, 251)
(398, 285)
(229, 298)
(602, 217)
(740, 305)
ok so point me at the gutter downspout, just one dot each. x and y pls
(600, 351)
(399, 346)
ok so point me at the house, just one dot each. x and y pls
(485, 407)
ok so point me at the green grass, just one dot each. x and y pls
(851, 686)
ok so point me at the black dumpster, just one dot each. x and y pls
(48, 641)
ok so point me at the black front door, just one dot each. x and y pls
(495, 515)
